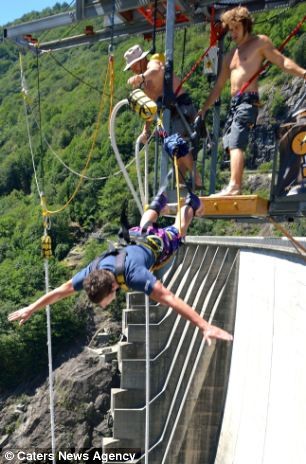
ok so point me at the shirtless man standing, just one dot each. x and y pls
(239, 66)
(149, 75)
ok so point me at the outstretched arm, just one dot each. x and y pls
(59, 293)
(162, 295)
(276, 57)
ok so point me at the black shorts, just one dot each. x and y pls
(242, 117)
(189, 111)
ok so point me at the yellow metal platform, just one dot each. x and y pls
(230, 206)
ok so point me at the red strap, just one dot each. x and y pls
(216, 33)
(213, 31)
(192, 70)
(265, 65)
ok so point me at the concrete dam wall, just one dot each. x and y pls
(240, 402)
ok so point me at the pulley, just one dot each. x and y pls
(46, 246)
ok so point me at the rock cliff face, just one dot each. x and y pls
(82, 396)
(263, 138)
(82, 399)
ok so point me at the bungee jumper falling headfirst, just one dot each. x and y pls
(242, 66)
(131, 268)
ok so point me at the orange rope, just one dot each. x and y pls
(217, 32)
(298, 246)
(46, 211)
(111, 63)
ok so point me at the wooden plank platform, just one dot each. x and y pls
(230, 207)
(239, 205)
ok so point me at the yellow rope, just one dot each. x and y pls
(178, 193)
(111, 86)
(46, 211)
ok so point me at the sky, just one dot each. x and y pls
(14, 9)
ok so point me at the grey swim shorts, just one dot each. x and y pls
(242, 117)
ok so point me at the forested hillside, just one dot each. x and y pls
(63, 100)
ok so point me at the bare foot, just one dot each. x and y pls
(229, 191)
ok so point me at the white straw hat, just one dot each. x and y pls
(134, 54)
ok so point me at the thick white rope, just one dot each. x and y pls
(138, 170)
(147, 426)
(49, 343)
(117, 154)
(24, 92)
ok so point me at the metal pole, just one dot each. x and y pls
(168, 81)
(216, 130)
(147, 426)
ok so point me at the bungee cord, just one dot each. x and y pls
(117, 107)
(79, 174)
(24, 93)
(71, 170)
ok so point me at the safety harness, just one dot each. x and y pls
(152, 242)
(120, 253)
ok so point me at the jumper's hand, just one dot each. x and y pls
(211, 331)
(144, 136)
(135, 81)
(22, 315)
(202, 114)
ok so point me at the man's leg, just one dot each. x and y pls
(237, 165)
(187, 212)
(187, 215)
(235, 183)
(156, 206)
(149, 216)
(185, 163)
(184, 217)
(236, 134)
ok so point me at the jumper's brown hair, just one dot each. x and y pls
(98, 284)
(240, 14)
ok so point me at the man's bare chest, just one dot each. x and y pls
(246, 58)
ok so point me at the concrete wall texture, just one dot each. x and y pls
(229, 403)
(265, 413)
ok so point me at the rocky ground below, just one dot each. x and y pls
(82, 384)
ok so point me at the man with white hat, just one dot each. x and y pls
(149, 75)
